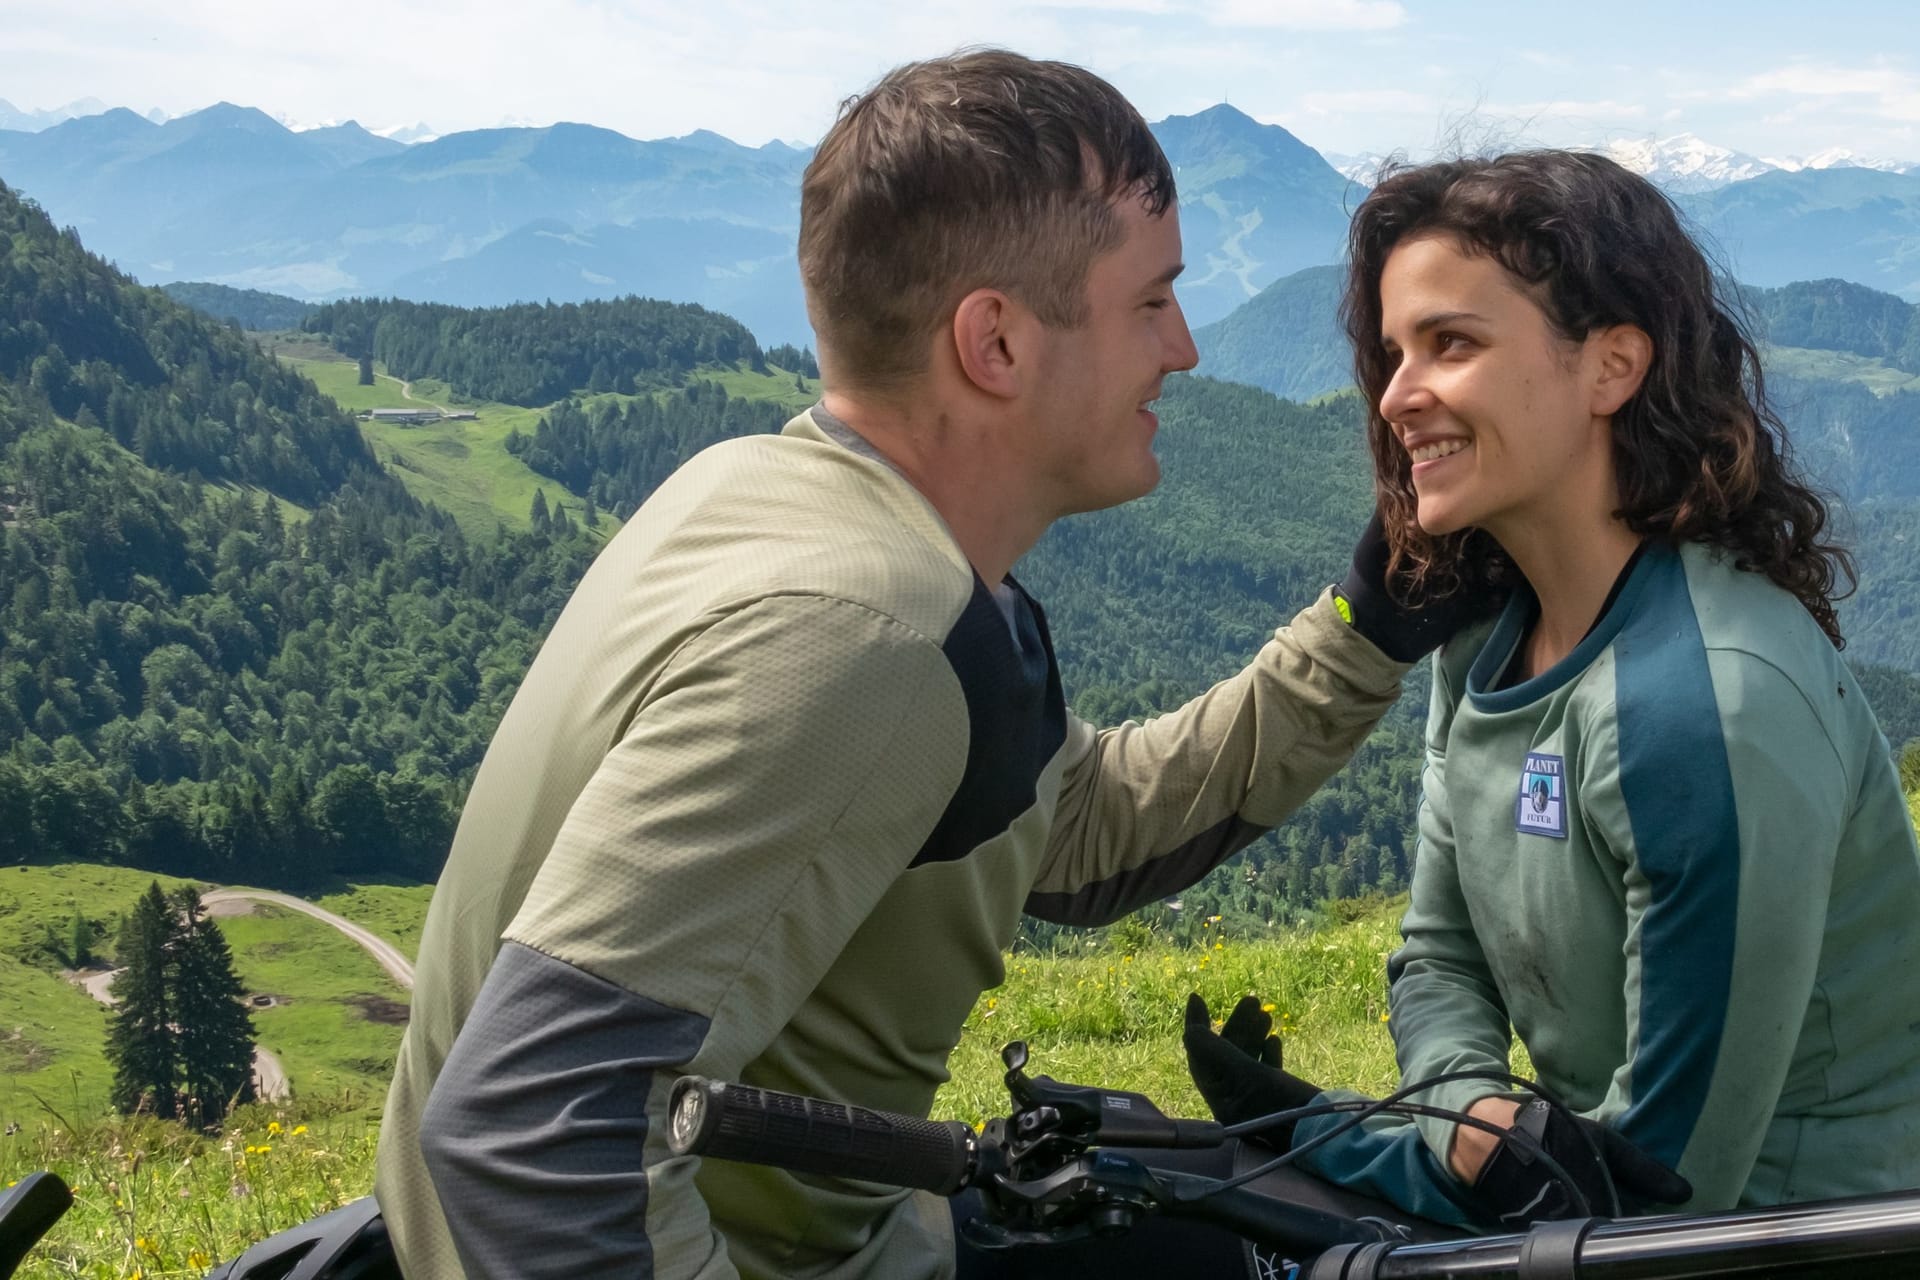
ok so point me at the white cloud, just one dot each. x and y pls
(1878, 90)
(1307, 15)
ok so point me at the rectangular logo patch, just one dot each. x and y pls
(1542, 807)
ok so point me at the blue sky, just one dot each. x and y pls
(1763, 76)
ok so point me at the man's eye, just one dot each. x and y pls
(1159, 304)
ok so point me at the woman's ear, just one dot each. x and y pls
(1623, 354)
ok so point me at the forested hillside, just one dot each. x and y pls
(533, 354)
(1836, 315)
(282, 675)
(174, 387)
(616, 451)
(262, 659)
(248, 308)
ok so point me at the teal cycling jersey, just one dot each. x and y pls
(1679, 867)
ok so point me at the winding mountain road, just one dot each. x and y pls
(270, 1076)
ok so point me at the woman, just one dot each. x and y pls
(1661, 838)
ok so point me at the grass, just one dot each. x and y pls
(156, 1200)
(1113, 1016)
(463, 466)
(153, 1200)
(52, 1033)
(340, 1026)
(329, 1037)
(34, 897)
(396, 911)
(52, 1045)
(777, 385)
(1874, 374)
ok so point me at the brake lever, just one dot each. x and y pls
(1114, 1117)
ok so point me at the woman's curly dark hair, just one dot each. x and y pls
(1699, 454)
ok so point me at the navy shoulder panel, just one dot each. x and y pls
(1016, 714)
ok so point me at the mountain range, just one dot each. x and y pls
(570, 212)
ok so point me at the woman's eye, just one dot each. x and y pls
(1448, 342)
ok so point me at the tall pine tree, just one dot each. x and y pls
(140, 1038)
(215, 1031)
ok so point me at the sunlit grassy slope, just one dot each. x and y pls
(335, 1034)
(463, 464)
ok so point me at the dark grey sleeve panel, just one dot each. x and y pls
(535, 1127)
(1104, 901)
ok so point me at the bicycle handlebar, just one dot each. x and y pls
(1048, 1178)
(808, 1135)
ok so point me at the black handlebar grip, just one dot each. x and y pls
(808, 1135)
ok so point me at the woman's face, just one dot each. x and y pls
(1495, 408)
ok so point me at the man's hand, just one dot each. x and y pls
(1514, 1186)
(1238, 1071)
(1402, 633)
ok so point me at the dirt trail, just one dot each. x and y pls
(391, 958)
(269, 1075)
(406, 392)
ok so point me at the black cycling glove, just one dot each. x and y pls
(1516, 1188)
(1402, 633)
(1238, 1071)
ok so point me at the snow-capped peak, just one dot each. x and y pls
(1687, 163)
(418, 131)
(1844, 158)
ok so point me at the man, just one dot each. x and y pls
(795, 757)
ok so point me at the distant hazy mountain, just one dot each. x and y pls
(12, 117)
(746, 272)
(1358, 168)
(1287, 340)
(1256, 204)
(232, 196)
(248, 308)
(1848, 223)
(229, 195)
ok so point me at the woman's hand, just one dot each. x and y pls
(1238, 1071)
(1601, 1173)
(1472, 1147)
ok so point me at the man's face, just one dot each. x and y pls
(1094, 423)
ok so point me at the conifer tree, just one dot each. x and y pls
(80, 941)
(140, 1041)
(215, 1031)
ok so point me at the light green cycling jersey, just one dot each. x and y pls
(768, 807)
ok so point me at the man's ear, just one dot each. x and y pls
(1624, 352)
(990, 338)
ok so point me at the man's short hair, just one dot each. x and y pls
(981, 170)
